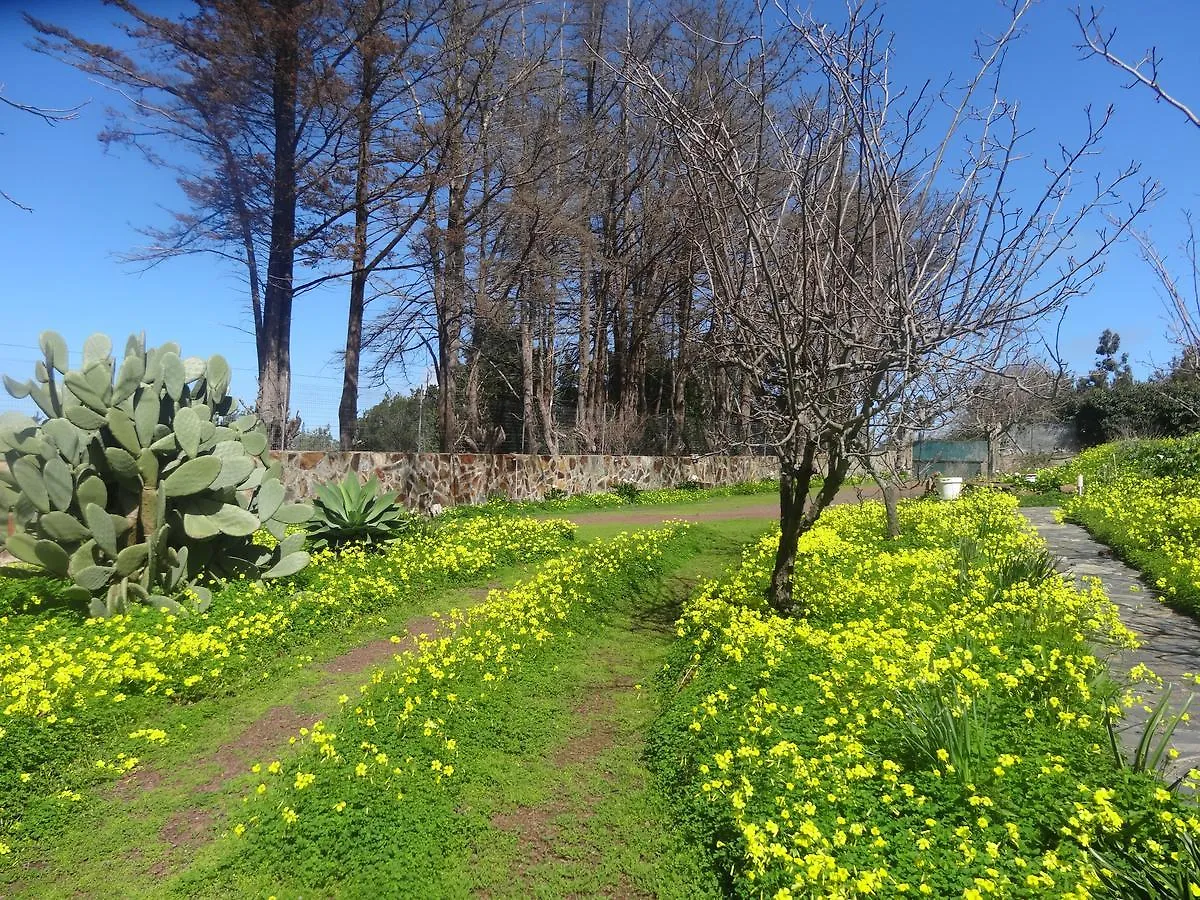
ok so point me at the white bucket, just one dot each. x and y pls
(950, 487)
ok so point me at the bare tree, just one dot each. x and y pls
(857, 259)
(1180, 294)
(1181, 286)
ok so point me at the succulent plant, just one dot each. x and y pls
(141, 483)
(350, 512)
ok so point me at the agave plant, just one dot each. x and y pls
(141, 484)
(351, 512)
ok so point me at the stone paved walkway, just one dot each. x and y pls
(1170, 640)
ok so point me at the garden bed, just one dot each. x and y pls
(935, 725)
(76, 687)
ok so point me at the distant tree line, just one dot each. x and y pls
(473, 172)
(618, 227)
(1109, 404)
(1106, 404)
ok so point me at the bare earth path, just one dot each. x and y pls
(722, 509)
(1170, 640)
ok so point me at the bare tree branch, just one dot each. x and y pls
(1097, 42)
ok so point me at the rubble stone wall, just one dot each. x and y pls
(450, 479)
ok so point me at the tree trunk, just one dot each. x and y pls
(993, 439)
(528, 415)
(797, 514)
(794, 482)
(583, 421)
(453, 301)
(549, 374)
(679, 371)
(246, 232)
(274, 377)
(348, 407)
(891, 504)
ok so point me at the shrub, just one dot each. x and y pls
(627, 491)
(352, 512)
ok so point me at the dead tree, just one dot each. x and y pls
(854, 256)
(1179, 284)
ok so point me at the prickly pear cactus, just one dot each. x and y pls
(141, 484)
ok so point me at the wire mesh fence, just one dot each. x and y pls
(315, 398)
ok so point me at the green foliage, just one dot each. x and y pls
(1152, 753)
(1128, 873)
(140, 483)
(351, 512)
(317, 439)
(1134, 409)
(939, 729)
(627, 491)
(399, 424)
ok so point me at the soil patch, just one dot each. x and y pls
(186, 830)
(534, 828)
(382, 652)
(600, 726)
(258, 739)
(135, 783)
(534, 825)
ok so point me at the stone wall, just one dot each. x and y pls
(449, 479)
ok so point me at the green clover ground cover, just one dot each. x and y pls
(1142, 498)
(608, 825)
(935, 726)
(75, 688)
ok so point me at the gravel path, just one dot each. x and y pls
(1170, 640)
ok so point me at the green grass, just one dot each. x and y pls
(119, 835)
(543, 806)
(614, 500)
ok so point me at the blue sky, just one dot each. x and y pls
(62, 270)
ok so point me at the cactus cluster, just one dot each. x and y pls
(141, 483)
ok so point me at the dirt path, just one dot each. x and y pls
(754, 506)
(180, 803)
(601, 828)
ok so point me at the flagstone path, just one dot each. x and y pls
(1170, 640)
